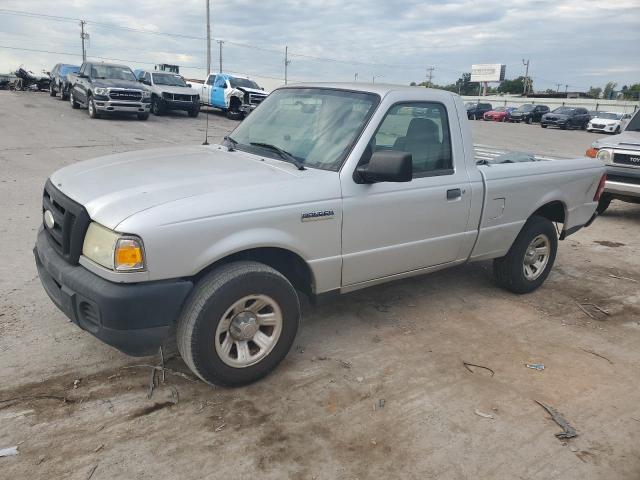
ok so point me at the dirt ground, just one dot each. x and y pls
(375, 386)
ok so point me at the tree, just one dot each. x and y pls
(594, 92)
(513, 86)
(608, 90)
(632, 92)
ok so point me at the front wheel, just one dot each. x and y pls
(543, 125)
(52, 91)
(143, 116)
(72, 100)
(194, 112)
(529, 120)
(530, 259)
(617, 130)
(238, 324)
(157, 107)
(91, 107)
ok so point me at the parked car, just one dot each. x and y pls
(59, 79)
(500, 114)
(237, 96)
(27, 80)
(108, 88)
(606, 122)
(4, 81)
(621, 155)
(321, 190)
(475, 111)
(566, 117)
(169, 91)
(528, 113)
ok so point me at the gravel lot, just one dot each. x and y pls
(375, 386)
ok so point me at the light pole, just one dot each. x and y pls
(355, 78)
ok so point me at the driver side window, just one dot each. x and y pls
(421, 129)
(220, 82)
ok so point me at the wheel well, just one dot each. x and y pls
(235, 102)
(289, 264)
(553, 211)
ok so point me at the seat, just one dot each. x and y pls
(423, 143)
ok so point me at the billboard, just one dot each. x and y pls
(488, 72)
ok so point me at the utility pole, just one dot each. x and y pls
(526, 77)
(566, 88)
(208, 39)
(286, 63)
(220, 42)
(355, 78)
(84, 36)
(558, 87)
(430, 75)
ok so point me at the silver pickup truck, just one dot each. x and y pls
(324, 189)
(621, 155)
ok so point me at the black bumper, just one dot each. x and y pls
(179, 105)
(135, 318)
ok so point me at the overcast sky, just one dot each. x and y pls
(575, 42)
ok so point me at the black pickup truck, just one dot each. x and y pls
(108, 88)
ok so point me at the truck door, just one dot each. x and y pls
(80, 89)
(218, 91)
(392, 228)
(207, 90)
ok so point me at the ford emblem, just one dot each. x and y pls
(48, 219)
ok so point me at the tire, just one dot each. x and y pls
(142, 116)
(194, 112)
(529, 120)
(510, 271)
(91, 108)
(157, 108)
(52, 91)
(201, 331)
(475, 117)
(617, 130)
(72, 100)
(543, 125)
(603, 204)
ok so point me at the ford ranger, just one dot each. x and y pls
(324, 189)
(621, 155)
(108, 88)
(237, 96)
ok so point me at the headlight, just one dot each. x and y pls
(101, 91)
(604, 155)
(146, 94)
(112, 250)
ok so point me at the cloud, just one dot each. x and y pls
(576, 42)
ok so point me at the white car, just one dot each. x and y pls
(608, 122)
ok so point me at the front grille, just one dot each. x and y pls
(182, 97)
(71, 221)
(130, 95)
(627, 159)
(597, 125)
(256, 98)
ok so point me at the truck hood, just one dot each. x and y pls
(113, 83)
(605, 121)
(253, 90)
(115, 187)
(627, 139)
(174, 89)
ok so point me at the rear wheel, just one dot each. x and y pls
(603, 204)
(72, 100)
(52, 90)
(238, 324)
(530, 259)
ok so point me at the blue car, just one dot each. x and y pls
(59, 81)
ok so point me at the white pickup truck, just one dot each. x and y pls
(236, 96)
(324, 189)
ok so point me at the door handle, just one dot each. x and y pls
(454, 193)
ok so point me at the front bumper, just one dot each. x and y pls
(616, 187)
(135, 318)
(623, 182)
(555, 123)
(180, 105)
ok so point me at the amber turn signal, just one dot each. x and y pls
(592, 153)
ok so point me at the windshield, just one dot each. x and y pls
(500, 109)
(564, 110)
(243, 82)
(316, 126)
(609, 115)
(168, 79)
(112, 72)
(525, 108)
(64, 69)
(634, 123)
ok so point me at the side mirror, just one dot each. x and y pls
(387, 166)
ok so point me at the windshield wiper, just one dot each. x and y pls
(283, 153)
